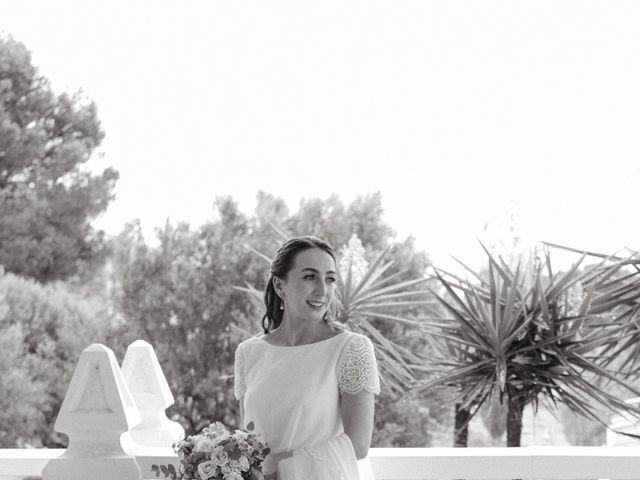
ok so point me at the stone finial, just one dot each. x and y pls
(150, 390)
(96, 411)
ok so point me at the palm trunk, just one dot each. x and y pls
(461, 429)
(514, 419)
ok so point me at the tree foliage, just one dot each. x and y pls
(47, 199)
(538, 335)
(43, 329)
(179, 296)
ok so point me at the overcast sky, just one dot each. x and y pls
(460, 113)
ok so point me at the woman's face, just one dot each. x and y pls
(309, 286)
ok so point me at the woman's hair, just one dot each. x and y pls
(280, 267)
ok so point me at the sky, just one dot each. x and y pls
(522, 115)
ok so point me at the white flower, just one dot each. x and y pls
(241, 435)
(227, 469)
(216, 430)
(206, 470)
(219, 456)
(204, 445)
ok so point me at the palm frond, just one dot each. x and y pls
(513, 331)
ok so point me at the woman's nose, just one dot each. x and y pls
(322, 287)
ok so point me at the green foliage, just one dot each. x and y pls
(20, 412)
(411, 421)
(180, 296)
(46, 199)
(330, 220)
(537, 335)
(43, 329)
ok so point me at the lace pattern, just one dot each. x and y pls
(357, 368)
(239, 387)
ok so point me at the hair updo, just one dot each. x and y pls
(280, 266)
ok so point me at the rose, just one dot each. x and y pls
(216, 430)
(207, 470)
(204, 445)
(228, 469)
(219, 456)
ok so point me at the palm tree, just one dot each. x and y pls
(535, 335)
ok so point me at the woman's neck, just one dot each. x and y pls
(290, 333)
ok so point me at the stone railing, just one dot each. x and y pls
(420, 463)
(117, 428)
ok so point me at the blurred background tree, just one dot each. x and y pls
(180, 297)
(47, 200)
(43, 329)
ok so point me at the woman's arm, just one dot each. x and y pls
(357, 418)
(242, 425)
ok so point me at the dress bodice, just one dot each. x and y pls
(292, 393)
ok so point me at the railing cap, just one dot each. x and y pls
(97, 398)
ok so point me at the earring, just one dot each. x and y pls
(281, 304)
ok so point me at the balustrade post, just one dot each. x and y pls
(150, 390)
(97, 409)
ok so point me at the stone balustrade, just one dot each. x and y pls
(553, 463)
(117, 428)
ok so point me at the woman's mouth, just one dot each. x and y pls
(315, 305)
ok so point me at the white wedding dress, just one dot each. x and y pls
(292, 395)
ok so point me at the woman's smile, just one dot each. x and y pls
(315, 305)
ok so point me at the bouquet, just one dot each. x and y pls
(217, 454)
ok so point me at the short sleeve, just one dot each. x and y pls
(239, 387)
(357, 368)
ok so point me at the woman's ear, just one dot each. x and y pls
(277, 285)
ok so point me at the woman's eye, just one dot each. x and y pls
(331, 280)
(310, 276)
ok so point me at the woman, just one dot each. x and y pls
(307, 385)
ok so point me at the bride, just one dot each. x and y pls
(307, 385)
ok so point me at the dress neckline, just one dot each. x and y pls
(304, 345)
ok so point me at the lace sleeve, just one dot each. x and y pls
(239, 387)
(357, 367)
